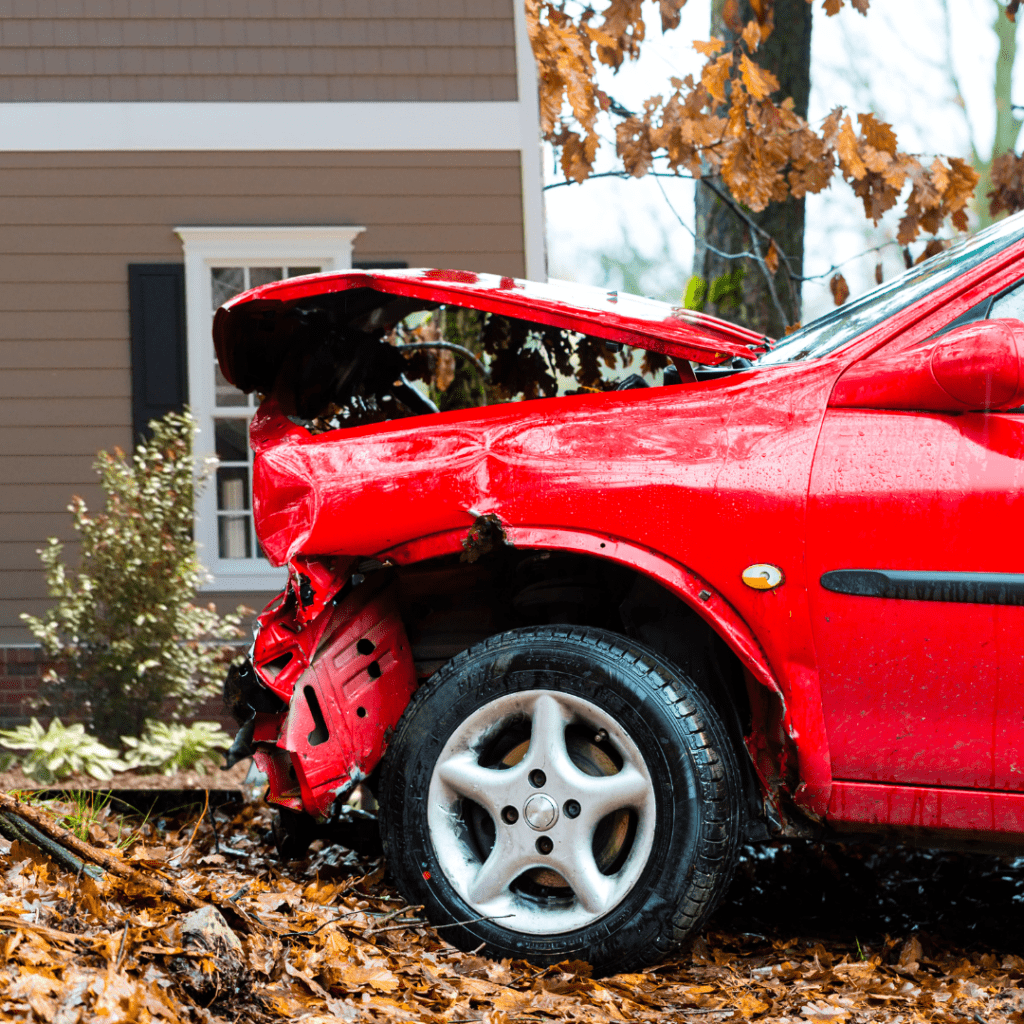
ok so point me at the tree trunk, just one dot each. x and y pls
(787, 54)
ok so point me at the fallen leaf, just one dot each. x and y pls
(824, 1013)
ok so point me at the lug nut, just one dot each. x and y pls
(572, 808)
(544, 845)
(509, 815)
(537, 778)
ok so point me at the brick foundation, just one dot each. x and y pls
(21, 672)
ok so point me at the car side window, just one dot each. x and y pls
(1008, 305)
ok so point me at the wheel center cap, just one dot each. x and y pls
(540, 812)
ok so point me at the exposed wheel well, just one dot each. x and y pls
(449, 605)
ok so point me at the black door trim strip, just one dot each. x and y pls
(958, 587)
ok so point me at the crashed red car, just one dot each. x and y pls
(582, 647)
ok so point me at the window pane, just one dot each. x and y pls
(227, 394)
(233, 489)
(231, 440)
(233, 536)
(299, 271)
(263, 275)
(1010, 306)
(226, 281)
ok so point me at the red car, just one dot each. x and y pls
(582, 647)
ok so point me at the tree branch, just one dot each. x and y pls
(67, 839)
(754, 230)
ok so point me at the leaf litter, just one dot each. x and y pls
(808, 933)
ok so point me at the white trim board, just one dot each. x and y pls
(326, 246)
(63, 127)
(531, 153)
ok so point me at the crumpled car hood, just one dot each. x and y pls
(252, 340)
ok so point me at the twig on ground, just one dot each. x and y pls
(437, 927)
(14, 827)
(213, 825)
(473, 920)
(53, 934)
(188, 845)
(241, 892)
(68, 840)
(120, 949)
(335, 920)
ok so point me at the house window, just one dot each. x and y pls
(236, 535)
(219, 263)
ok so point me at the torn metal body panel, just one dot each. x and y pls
(333, 649)
(733, 494)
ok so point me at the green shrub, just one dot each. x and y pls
(171, 748)
(123, 631)
(60, 751)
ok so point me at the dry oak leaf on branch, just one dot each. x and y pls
(725, 122)
(1007, 184)
(840, 289)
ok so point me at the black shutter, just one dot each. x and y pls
(156, 304)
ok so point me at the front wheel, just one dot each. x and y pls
(557, 793)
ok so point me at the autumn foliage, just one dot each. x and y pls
(730, 122)
(820, 935)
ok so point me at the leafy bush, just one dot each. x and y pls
(60, 751)
(123, 631)
(171, 748)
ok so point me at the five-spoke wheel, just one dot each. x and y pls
(561, 793)
(559, 805)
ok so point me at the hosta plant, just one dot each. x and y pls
(61, 750)
(169, 748)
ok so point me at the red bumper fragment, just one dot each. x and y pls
(334, 649)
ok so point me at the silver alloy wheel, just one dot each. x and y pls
(547, 813)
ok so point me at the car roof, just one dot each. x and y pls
(611, 315)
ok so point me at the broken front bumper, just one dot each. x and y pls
(330, 675)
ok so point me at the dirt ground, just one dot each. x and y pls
(807, 933)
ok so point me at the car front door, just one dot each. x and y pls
(921, 671)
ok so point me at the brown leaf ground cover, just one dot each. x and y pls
(807, 934)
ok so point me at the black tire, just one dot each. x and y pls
(678, 843)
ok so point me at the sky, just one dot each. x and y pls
(894, 62)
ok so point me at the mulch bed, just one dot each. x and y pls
(214, 778)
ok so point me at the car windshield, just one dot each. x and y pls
(830, 332)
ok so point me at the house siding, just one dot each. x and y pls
(248, 50)
(74, 221)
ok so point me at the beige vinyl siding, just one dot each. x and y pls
(71, 224)
(250, 50)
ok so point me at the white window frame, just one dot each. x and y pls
(329, 247)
